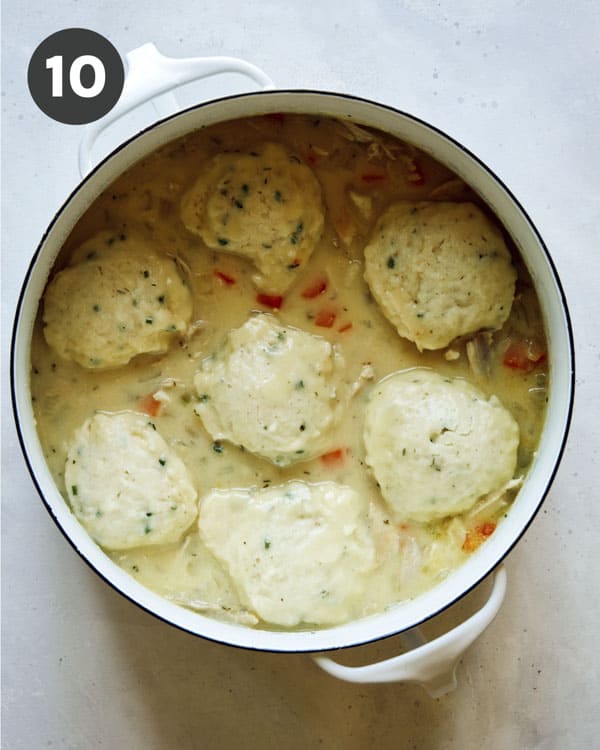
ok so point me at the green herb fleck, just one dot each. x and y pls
(391, 262)
(277, 195)
(162, 461)
(146, 274)
(149, 514)
(217, 447)
(404, 451)
(204, 398)
(222, 241)
(299, 385)
(149, 321)
(245, 189)
(295, 236)
(267, 543)
(98, 514)
(96, 308)
(147, 529)
(161, 299)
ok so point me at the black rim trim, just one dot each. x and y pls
(350, 98)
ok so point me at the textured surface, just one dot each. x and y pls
(439, 271)
(139, 303)
(518, 86)
(126, 485)
(273, 389)
(297, 552)
(265, 205)
(426, 435)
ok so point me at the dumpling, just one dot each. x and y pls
(273, 389)
(265, 205)
(436, 444)
(126, 486)
(298, 552)
(119, 299)
(439, 270)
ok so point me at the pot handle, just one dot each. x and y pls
(151, 75)
(430, 664)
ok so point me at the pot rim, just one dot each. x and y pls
(132, 590)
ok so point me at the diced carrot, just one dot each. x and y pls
(374, 177)
(334, 458)
(149, 405)
(524, 355)
(345, 328)
(274, 301)
(475, 537)
(226, 278)
(487, 528)
(325, 317)
(315, 288)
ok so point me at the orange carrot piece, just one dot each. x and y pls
(524, 355)
(149, 405)
(334, 458)
(226, 278)
(325, 317)
(315, 288)
(274, 301)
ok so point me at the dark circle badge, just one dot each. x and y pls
(75, 76)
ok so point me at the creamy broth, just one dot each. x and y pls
(361, 173)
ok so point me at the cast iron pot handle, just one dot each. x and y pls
(431, 664)
(151, 75)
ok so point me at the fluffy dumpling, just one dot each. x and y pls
(120, 298)
(439, 270)
(265, 205)
(298, 552)
(126, 486)
(273, 389)
(436, 444)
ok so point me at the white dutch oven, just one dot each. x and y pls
(150, 75)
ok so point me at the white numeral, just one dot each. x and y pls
(55, 64)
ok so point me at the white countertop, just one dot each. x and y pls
(517, 82)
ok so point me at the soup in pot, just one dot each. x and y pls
(289, 371)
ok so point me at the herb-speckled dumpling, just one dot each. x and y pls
(273, 389)
(126, 486)
(119, 298)
(439, 271)
(436, 445)
(264, 204)
(297, 552)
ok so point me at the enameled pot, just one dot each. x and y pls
(150, 74)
